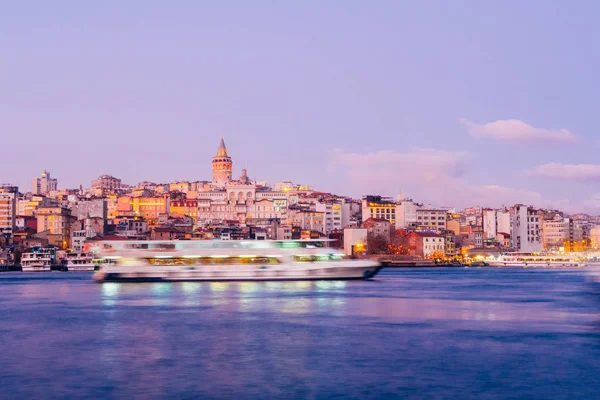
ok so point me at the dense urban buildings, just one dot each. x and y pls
(8, 210)
(44, 184)
(229, 208)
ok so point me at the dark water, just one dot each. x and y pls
(443, 333)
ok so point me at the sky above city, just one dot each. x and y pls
(452, 103)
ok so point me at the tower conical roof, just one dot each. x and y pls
(222, 151)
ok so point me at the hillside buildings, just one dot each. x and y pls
(230, 206)
(106, 184)
(8, 211)
(44, 184)
(527, 229)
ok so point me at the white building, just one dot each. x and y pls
(555, 232)
(44, 184)
(432, 243)
(527, 229)
(495, 222)
(432, 219)
(406, 214)
(8, 209)
(355, 240)
(336, 211)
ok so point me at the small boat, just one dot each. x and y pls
(545, 260)
(78, 262)
(38, 260)
(227, 260)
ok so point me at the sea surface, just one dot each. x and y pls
(445, 333)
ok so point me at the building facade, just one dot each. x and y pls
(431, 219)
(8, 211)
(56, 223)
(406, 214)
(106, 183)
(379, 207)
(495, 222)
(527, 229)
(44, 184)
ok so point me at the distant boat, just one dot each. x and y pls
(538, 260)
(228, 260)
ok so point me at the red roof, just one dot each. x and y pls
(166, 229)
(428, 234)
(108, 237)
(376, 220)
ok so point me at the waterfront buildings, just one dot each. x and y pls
(44, 184)
(527, 229)
(560, 233)
(595, 237)
(379, 228)
(423, 244)
(232, 208)
(406, 213)
(495, 222)
(8, 211)
(379, 207)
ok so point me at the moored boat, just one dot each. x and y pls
(538, 260)
(38, 260)
(78, 262)
(227, 261)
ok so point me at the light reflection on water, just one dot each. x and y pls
(446, 334)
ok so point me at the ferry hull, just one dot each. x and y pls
(45, 268)
(539, 264)
(144, 274)
(80, 268)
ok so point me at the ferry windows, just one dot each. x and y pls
(213, 261)
(136, 246)
(163, 246)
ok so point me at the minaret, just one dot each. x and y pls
(244, 178)
(221, 166)
(88, 226)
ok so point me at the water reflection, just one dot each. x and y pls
(433, 333)
(110, 292)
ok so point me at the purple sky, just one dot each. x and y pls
(449, 102)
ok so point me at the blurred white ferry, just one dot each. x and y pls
(224, 260)
(538, 260)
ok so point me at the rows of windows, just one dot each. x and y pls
(236, 260)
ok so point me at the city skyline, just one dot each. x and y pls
(476, 104)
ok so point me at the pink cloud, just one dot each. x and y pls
(516, 131)
(572, 172)
(416, 165)
(432, 176)
(427, 175)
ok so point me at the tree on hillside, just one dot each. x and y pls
(397, 249)
(438, 256)
(376, 244)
